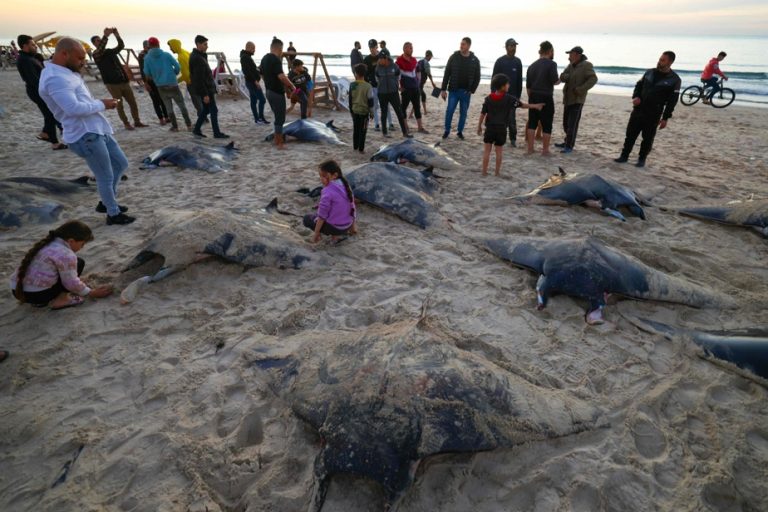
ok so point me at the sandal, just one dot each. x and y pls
(60, 145)
(74, 300)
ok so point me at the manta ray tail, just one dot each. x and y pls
(330, 125)
(666, 288)
(82, 180)
(231, 147)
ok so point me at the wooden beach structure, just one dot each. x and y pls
(324, 92)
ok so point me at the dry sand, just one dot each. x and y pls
(171, 416)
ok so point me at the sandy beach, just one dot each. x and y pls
(162, 402)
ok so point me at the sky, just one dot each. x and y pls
(679, 17)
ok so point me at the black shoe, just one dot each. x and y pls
(103, 209)
(221, 136)
(198, 134)
(560, 145)
(640, 163)
(445, 135)
(460, 135)
(513, 143)
(621, 160)
(120, 218)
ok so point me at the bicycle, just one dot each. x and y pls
(720, 99)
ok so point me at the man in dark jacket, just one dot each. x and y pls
(462, 76)
(355, 56)
(30, 65)
(579, 77)
(203, 86)
(114, 77)
(252, 79)
(654, 99)
(512, 67)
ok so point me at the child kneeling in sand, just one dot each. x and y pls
(497, 108)
(336, 212)
(50, 272)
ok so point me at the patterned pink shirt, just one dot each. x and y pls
(54, 260)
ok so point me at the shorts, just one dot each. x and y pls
(545, 116)
(495, 135)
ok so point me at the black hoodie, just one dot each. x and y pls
(250, 70)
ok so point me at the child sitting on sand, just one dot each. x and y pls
(301, 80)
(49, 273)
(497, 108)
(336, 211)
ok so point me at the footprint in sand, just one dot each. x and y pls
(721, 496)
(649, 439)
(250, 432)
(758, 440)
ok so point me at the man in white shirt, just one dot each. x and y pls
(85, 129)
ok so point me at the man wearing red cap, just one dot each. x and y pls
(150, 86)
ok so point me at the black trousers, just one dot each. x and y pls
(571, 118)
(391, 99)
(359, 130)
(512, 126)
(327, 229)
(411, 96)
(644, 122)
(43, 297)
(157, 101)
(49, 122)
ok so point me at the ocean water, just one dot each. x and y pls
(619, 59)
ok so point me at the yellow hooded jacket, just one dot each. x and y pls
(182, 57)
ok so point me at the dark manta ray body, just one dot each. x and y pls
(587, 189)
(589, 269)
(310, 130)
(192, 156)
(747, 349)
(752, 214)
(384, 399)
(416, 152)
(259, 239)
(37, 200)
(406, 192)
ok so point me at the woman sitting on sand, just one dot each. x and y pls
(49, 273)
(336, 211)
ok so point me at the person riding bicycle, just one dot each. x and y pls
(708, 76)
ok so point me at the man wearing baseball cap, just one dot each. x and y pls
(512, 67)
(578, 77)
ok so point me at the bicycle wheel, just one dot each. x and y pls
(723, 98)
(690, 95)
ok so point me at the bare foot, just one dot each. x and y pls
(546, 153)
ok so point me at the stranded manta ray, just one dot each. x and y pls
(752, 214)
(192, 156)
(310, 130)
(589, 269)
(36, 200)
(591, 190)
(416, 152)
(256, 239)
(384, 399)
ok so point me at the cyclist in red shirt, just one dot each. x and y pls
(708, 76)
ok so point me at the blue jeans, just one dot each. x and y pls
(107, 163)
(213, 110)
(461, 97)
(257, 100)
(712, 82)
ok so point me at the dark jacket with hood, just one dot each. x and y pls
(250, 70)
(200, 74)
(462, 72)
(578, 79)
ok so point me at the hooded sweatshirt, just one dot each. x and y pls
(250, 70)
(183, 56)
(161, 67)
